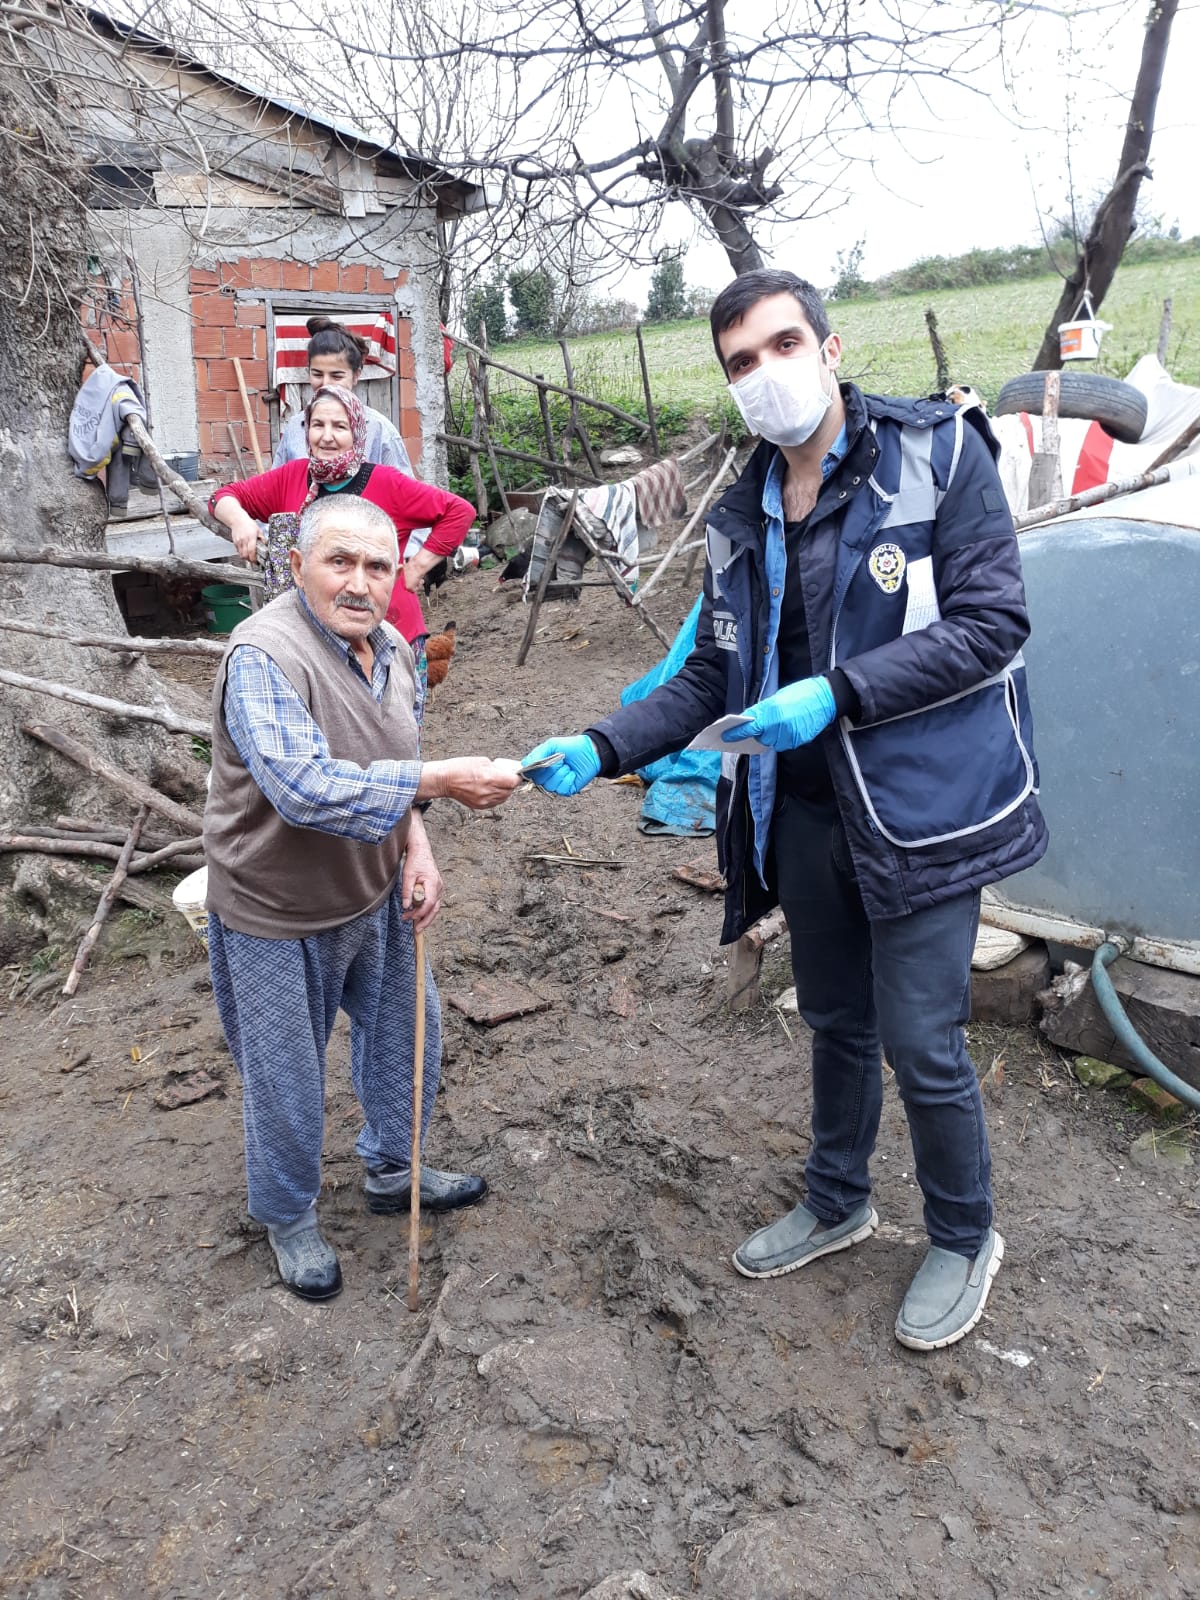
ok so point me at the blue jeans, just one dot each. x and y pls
(904, 986)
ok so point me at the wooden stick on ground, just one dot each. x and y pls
(611, 568)
(126, 643)
(106, 901)
(237, 449)
(544, 581)
(101, 561)
(117, 708)
(414, 1193)
(677, 544)
(133, 788)
(251, 425)
(167, 852)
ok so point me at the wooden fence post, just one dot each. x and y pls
(547, 427)
(650, 417)
(576, 424)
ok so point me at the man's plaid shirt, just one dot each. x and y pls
(287, 754)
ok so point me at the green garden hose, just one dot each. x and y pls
(1126, 1033)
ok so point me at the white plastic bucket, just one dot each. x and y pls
(467, 555)
(190, 898)
(1080, 341)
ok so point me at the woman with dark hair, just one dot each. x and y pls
(335, 357)
(336, 427)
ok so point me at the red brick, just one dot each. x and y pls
(239, 342)
(213, 311)
(353, 279)
(235, 274)
(205, 439)
(413, 444)
(206, 341)
(401, 279)
(202, 278)
(251, 314)
(325, 277)
(121, 346)
(221, 375)
(378, 281)
(297, 275)
(212, 407)
(266, 274)
(406, 364)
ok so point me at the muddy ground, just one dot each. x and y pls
(588, 1388)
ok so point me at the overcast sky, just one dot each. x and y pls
(965, 182)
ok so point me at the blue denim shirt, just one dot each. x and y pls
(762, 771)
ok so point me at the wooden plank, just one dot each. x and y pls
(492, 1001)
(1163, 1006)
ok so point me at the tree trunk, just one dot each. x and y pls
(43, 223)
(1113, 223)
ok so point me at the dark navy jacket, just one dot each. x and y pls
(912, 587)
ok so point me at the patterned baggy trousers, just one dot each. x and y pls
(278, 1000)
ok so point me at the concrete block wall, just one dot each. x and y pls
(224, 326)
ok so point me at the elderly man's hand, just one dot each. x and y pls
(420, 868)
(471, 780)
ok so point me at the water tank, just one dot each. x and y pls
(1114, 684)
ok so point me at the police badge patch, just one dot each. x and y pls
(886, 564)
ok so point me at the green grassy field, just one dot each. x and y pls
(990, 335)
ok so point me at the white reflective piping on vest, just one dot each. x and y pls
(1010, 704)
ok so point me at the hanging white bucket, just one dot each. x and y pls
(1080, 341)
(191, 898)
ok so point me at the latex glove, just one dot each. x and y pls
(579, 764)
(790, 717)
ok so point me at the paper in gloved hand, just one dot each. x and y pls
(710, 738)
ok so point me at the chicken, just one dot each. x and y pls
(439, 647)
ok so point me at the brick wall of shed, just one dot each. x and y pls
(224, 326)
(110, 321)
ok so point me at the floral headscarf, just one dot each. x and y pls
(336, 469)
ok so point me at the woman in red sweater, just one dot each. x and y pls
(337, 430)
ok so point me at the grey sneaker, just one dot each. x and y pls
(387, 1189)
(947, 1296)
(799, 1238)
(306, 1263)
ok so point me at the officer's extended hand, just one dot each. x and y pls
(789, 718)
(579, 764)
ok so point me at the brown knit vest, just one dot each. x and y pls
(264, 876)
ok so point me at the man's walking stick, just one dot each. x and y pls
(414, 1201)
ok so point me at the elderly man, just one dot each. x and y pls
(314, 851)
(863, 619)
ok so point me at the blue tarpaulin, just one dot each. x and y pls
(682, 796)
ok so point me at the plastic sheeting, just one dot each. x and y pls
(682, 797)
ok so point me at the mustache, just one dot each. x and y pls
(353, 602)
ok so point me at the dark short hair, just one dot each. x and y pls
(329, 338)
(733, 302)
